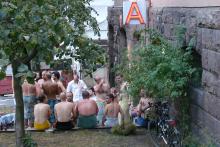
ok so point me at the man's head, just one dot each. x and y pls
(48, 76)
(63, 96)
(118, 79)
(109, 98)
(75, 77)
(42, 98)
(85, 94)
(44, 75)
(91, 91)
(97, 79)
(142, 92)
(69, 96)
(55, 75)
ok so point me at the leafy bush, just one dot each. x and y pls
(160, 67)
(165, 69)
(127, 129)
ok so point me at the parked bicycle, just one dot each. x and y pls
(164, 126)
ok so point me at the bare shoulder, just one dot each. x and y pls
(92, 101)
(108, 105)
(46, 105)
(70, 104)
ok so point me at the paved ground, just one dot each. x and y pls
(7, 101)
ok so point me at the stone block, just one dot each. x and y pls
(206, 121)
(207, 35)
(216, 40)
(199, 46)
(211, 82)
(211, 61)
(169, 30)
(211, 105)
(205, 100)
(197, 96)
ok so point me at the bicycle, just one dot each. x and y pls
(165, 127)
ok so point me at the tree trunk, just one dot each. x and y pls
(19, 107)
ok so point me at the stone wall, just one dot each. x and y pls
(121, 38)
(204, 24)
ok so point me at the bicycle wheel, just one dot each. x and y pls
(174, 138)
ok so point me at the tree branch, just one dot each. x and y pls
(32, 54)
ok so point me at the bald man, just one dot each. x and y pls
(64, 113)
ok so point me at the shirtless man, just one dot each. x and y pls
(112, 110)
(101, 88)
(144, 102)
(64, 113)
(56, 79)
(86, 111)
(29, 98)
(44, 78)
(41, 113)
(51, 90)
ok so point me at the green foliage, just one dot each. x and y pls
(28, 141)
(31, 29)
(164, 69)
(193, 141)
(127, 129)
(160, 67)
(25, 73)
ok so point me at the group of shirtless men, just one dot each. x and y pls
(63, 108)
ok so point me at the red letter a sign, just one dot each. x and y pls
(134, 14)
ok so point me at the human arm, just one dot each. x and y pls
(121, 112)
(48, 112)
(97, 109)
(55, 112)
(61, 87)
(68, 89)
(98, 86)
(104, 115)
(83, 85)
(74, 112)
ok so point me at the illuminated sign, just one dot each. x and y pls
(134, 12)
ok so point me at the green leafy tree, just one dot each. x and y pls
(33, 29)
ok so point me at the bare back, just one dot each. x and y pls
(87, 107)
(41, 112)
(64, 111)
(50, 89)
(112, 110)
(28, 89)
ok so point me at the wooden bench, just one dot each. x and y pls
(50, 130)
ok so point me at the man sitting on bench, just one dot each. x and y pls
(64, 112)
(86, 111)
(41, 113)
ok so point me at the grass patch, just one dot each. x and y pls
(128, 129)
(82, 138)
